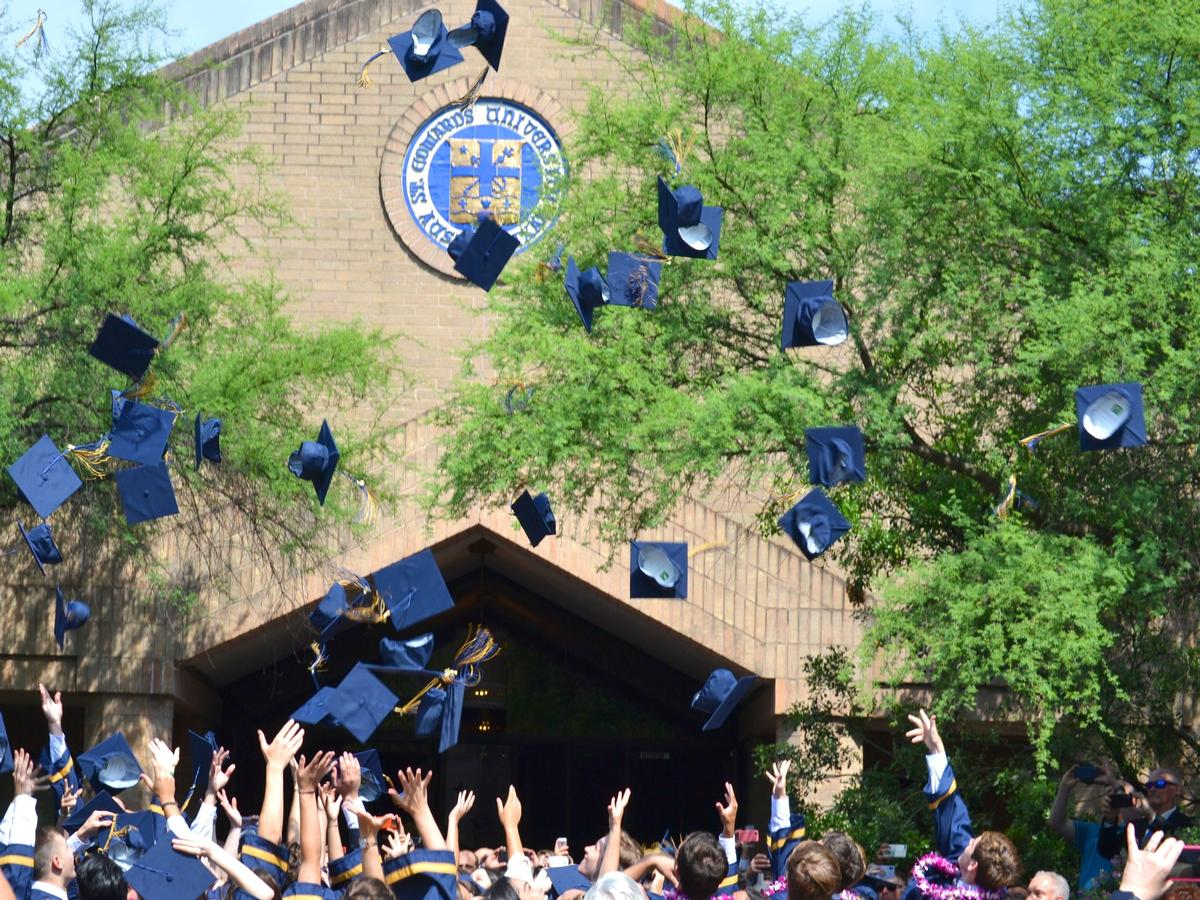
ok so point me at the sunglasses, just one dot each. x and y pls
(1160, 784)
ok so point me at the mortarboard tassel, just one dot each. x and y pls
(515, 404)
(547, 267)
(675, 148)
(1030, 443)
(467, 100)
(478, 648)
(711, 545)
(177, 325)
(653, 251)
(1009, 496)
(39, 29)
(364, 76)
(92, 458)
(368, 504)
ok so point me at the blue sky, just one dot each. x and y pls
(201, 22)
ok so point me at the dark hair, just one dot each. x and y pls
(265, 875)
(366, 888)
(849, 857)
(99, 878)
(701, 864)
(501, 890)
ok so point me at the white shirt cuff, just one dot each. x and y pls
(937, 763)
(351, 818)
(203, 825)
(23, 829)
(729, 845)
(77, 846)
(58, 746)
(781, 812)
(178, 826)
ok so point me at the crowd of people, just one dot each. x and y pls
(335, 841)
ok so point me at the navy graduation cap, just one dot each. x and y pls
(121, 344)
(361, 703)
(814, 523)
(480, 254)
(329, 618)
(110, 764)
(486, 31)
(658, 569)
(440, 713)
(316, 461)
(689, 227)
(146, 493)
(633, 280)
(45, 477)
(6, 757)
(567, 878)
(140, 433)
(315, 710)
(1110, 416)
(835, 454)
(535, 515)
(201, 748)
(374, 785)
(588, 291)
(424, 50)
(811, 316)
(412, 590)
(721, 693)
(132, 834)
(102, 802)
(207, 435)
(162, 872)
(41, 545)
(405, 656)
(68, 615)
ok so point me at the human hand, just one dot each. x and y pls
(1148, 870)
(283, 746)
(218, 777)
(509, 809)
(347, 777)
(193, 846)
(232, 813)
(331, 801)
(466, 801)
(52, 709)
(368, 825)
(413, 796)
(760, 862)
(98, 820)
(69, 798)
(665, 866)
(925, 731)
(163, 759)
(397, 842)
(728, 811)
(1069, 779)
(778, 777)
(616, 809)
(24, 781)
(309, 774)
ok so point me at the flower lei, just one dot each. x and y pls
(778, 886)
(943, 869)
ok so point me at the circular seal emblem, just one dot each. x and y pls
(497, 156)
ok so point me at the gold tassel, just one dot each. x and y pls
(364, 76)
(94, 461)
(680, 146)
(646, 248)
(479, 647)
(1009, 497)
(320, 658)
(467, 100)
(177, 325)
(1030, 443)
(142, 389)
(711, 545)
(40, 30)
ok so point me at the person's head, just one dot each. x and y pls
(615, 886)
(365, 888)
(813, 872)
(99, 878)
(467, 861)
(849, 856)
(990, 861)
(513, 889)
(53, 861)
(267, 876)
(629, 854)
(700, 865)
(1162, 789)
(1049, 886)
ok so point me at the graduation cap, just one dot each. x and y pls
(163, 873)
(588, 291)
(361, 702)
(140, 433)
(374, 785)
(146, 493)
(480, 254)
(68, 615)
(6, 757)
(316, 461)
(633, 280)
(814, 523)
(721, 693)
(41, 545)
(440, 713)
(567, 878)
(110, 764)
(131, 836)
(208, 440)
(835, 454)
(201, 748)
(412, 590)
(329, 618)
(121, 344)
(689, 227)
(102, 802)
(315, 710)
(45, 477)
(486, 30)
(1110, 416)
(406, 656)
(535, 516)
(424, 50)
(658, 569)
(811, 316)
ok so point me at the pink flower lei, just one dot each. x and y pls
(944, 870)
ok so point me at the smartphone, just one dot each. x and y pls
(560, 845)
(1087, 773)
(747, 835)
(895, 851)
(556, 861)
(1120, 801)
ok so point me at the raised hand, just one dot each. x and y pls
(396, 844)
(466, 801)
(218, 777)
(925, 731)
(68, 800)
(163, 759)
(331, 801)
(24, 781)
(1148, 869)
(414, 791)
(283, 746)
(52, 709)
(616, 809)
(309, 774)
(368, 825)
(728, 811)
(778, 777)
(232, 813)
(96, 822)
(509, 810)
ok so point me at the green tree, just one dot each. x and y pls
(118, 194)
(1006, 214)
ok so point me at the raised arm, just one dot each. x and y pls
(56, 760)
(277, 754)
(293, 816)
(234, 815)
(369, 827)
(239, 873)
(1059, 820)
(952, 820)
(466, 800)
(204, 824)
(611, 860)
(509, 812)
(414, 800)
(331, 803)
(308, 776)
